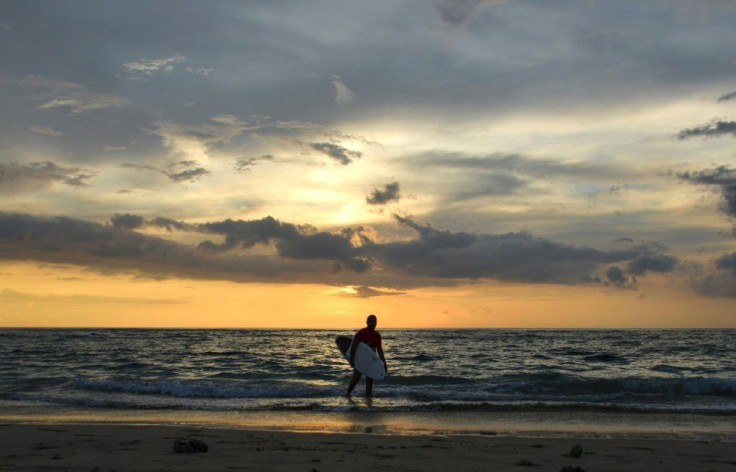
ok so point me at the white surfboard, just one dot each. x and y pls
(367, 361)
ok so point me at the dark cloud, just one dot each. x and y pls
(303, 253)
(659, 263)
(127, 221)
(616, 276)
(510, 257)
(111, 249)
(723, 177)
(716, 128)
(342, 155)
(727, 97)
(389, 193)
(247, 234)
(170, 224)
(38, 175)
(727, 262)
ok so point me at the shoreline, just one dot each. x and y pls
(522, 424)
(110, 447)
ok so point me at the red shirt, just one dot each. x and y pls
(369, 336)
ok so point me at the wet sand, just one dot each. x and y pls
(109, 447)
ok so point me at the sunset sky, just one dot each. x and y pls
(464, 163)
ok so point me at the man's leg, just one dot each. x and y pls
(353, 381)
(368, 386)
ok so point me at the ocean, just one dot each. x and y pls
(226, 376)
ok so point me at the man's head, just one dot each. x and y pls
(371, 321)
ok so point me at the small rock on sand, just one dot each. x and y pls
(187, 446)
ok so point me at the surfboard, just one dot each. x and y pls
(367, 361)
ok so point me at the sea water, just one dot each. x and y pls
(231, 374)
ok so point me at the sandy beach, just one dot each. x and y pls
(110, 447)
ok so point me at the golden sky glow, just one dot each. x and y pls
(441, 164)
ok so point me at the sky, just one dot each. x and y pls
(440, 163)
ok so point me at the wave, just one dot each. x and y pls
(206, 389)
(337, 403)
(608, 358)
(561, 384)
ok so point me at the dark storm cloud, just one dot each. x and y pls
(303, 253)
(127, 221)
(616, 276)
(390, 193)
(716, 128)
(15, 177)
(298, 242)
(334, 151)
(727, 97)
(179, 171)
(510, 257)
(656, 263)
(281, 72)
(723, 177)
(247, 234)
(111, 249)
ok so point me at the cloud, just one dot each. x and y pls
(343, 95)
(516, 164)
(727, 97)
(518, 257)
(656, 263)
(244, 164)
(178, 172)
(47, 130)
(368, 292)
(723, 177)
(127, 221)
(616, 276)
(389, 193)
(61, 94)
(727, 262)
(334, 151)
(456, 13)
(110, 249)
(15, 177)
(716, 128)
(351, 256)
(301, 242)
(150, 67)
(720, 282)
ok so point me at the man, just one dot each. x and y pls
(372, 338)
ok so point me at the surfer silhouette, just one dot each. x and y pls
(372, 338)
